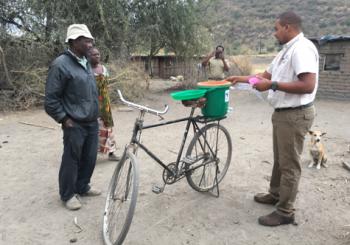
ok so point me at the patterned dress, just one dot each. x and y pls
(106, 136)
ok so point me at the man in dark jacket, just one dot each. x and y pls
(71, 99)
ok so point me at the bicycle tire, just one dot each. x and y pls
(121, 200)
(203, 163)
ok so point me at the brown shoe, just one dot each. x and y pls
(265, 198)
(275, 219)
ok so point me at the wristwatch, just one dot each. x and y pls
(274, 86)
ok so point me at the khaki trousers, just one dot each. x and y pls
(289, 130)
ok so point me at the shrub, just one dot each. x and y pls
(240, 65)
(129, 78)
(29, 85)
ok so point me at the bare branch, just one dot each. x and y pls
(3, 61)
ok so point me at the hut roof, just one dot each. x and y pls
(330, 38)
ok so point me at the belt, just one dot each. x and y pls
(294, 108)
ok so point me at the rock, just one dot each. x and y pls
(73, 240)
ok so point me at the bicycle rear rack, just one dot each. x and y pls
(203, 119)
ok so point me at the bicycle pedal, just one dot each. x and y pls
(157, 190)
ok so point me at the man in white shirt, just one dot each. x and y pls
(292, 79)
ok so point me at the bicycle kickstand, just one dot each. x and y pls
(216, 184)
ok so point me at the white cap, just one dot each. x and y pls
(78, 30)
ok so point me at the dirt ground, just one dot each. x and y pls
(32, 213)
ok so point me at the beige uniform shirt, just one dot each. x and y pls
(298, 56)
(216, 68)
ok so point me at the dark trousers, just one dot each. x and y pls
(78, 159)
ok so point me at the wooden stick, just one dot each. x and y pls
(37, 125)
(77, 225)
(346, 165)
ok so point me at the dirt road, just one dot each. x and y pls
(31, 212)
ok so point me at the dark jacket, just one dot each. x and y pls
(71, 90)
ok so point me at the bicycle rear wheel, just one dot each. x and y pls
(121, 200)
(209, 154)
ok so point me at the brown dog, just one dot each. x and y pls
(317, 151)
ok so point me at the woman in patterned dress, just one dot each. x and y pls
(107, 142)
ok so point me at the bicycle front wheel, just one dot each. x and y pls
(121, 200)
(209, 154)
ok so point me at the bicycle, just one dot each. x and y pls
(204, 165)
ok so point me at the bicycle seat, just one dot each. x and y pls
(200, 103)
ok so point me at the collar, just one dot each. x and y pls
(83, 61)
(78, 58)
(294, 40)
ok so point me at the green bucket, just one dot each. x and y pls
(218, 96)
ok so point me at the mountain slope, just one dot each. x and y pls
(247, 26)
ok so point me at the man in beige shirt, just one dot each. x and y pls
(217, 64)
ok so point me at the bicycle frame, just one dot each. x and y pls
(191, 120)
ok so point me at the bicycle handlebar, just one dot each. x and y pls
(141, 107)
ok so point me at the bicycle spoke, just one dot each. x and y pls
(121, 201)
(120, 196)
(202, 178)
(210, 150)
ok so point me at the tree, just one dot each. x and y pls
(171, 25)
